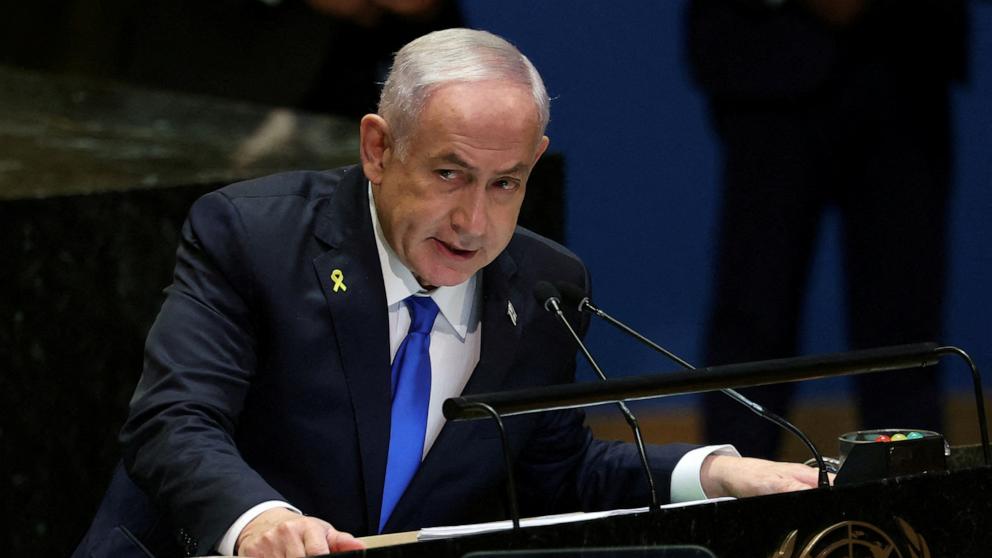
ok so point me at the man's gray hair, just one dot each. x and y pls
(450, 56)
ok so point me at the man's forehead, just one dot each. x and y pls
(471, 99)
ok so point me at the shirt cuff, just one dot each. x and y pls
(226, 545)
(686, 485)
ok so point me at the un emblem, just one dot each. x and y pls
(856, 539)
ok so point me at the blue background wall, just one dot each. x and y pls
(642, 179)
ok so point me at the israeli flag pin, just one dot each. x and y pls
(511, 312)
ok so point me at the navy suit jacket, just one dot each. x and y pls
(262, 382)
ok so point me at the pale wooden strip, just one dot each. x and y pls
(390, 539)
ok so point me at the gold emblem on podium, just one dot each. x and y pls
(856, 539)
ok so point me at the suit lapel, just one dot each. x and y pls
(361, 325)
(499, 332)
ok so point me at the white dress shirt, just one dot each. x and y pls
(456, 338)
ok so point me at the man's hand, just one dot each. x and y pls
(283, 533)
(725, 475)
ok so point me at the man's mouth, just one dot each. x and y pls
(454, 251)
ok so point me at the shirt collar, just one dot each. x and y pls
(456, 303)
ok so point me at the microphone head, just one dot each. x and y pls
(572, 294)
(547, 295)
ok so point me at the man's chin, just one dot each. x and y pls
(444, 277)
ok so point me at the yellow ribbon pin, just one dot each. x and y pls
(338, 279)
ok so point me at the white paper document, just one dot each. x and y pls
(432, 533)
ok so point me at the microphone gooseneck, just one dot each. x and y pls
(549, 297)
(575, 296)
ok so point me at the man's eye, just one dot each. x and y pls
(506, 184)
(446, 174)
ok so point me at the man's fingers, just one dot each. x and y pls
(809, 476)
(315, 539)
(339, 541)
(791, 485)
(288, 539)
(745, 476)
(795, 476)
(287, 534)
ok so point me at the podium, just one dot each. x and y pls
(946, 514)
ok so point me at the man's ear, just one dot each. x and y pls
(375, 146)
(542, 146)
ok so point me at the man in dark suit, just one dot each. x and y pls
(266, 423)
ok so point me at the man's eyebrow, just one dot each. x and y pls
(454, 159)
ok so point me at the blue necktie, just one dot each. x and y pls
(411, 397)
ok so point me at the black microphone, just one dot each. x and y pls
(547, 295)
(574, 295)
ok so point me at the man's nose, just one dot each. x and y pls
(471, 217)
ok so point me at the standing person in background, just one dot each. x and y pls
(817, 104)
